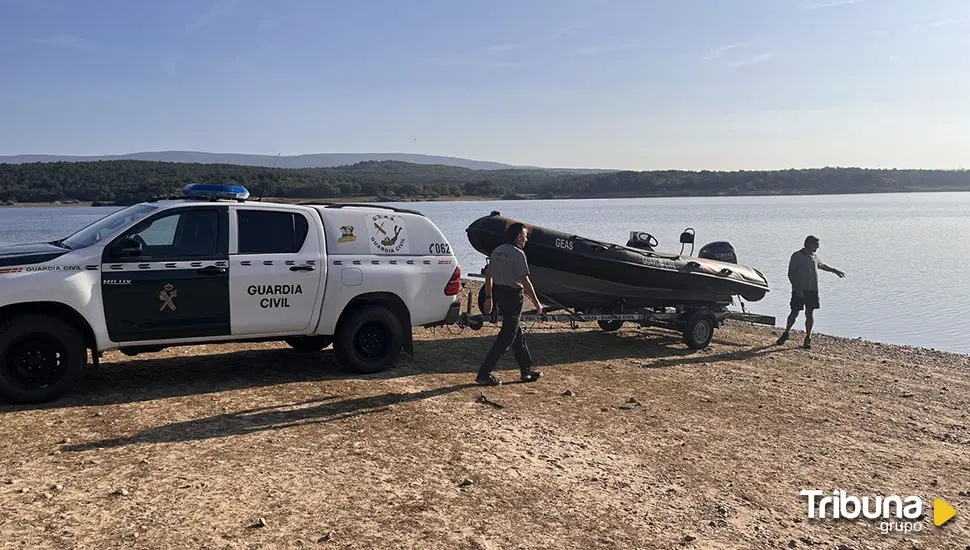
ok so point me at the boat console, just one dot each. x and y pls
(642, 240)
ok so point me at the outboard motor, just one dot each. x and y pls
(721, 251)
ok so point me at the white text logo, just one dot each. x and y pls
(840, 505)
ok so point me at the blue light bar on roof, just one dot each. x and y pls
(215, 191)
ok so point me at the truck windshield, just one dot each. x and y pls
(107, 227)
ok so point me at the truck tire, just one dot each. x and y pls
(369, 341)
(307, 344)
(41, 358)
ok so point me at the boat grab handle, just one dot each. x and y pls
(594, 244)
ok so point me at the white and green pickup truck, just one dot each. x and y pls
(211, 267)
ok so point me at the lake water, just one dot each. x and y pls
(904, 255)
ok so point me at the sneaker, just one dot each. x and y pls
(489, 381)
(782, 339)
(530, 376)
(807, 344)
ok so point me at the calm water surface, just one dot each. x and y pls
(904, 254)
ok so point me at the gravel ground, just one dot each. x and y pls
(630, 440)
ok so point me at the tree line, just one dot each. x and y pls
(127, 181)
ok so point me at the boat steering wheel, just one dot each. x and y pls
(648, 238)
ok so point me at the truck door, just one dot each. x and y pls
(167, 277)
(276, 269)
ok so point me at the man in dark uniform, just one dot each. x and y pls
(506, 279)
(803, 274)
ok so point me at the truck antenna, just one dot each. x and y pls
(262, 188)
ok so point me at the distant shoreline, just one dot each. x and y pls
(521, 197)
(284, 200)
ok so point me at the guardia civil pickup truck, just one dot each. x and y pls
(212, 266)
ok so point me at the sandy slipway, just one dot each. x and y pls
(630, 440)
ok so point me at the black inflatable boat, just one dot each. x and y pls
(586, 274)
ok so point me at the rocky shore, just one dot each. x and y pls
(630, 440)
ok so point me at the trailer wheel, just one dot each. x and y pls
(492, 315)
(699, 330)
(476, 322)
(610, 326)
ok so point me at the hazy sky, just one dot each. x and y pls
(633, 84)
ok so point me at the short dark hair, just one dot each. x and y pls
(810, 240)
(513, 231)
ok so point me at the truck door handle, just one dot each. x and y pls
(302, 268)
(211, 270)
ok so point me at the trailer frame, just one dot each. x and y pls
(695, 322)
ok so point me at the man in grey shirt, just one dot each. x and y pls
(803, 274)
(506, 278)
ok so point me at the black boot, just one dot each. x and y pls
(530, 375)
(487, 380)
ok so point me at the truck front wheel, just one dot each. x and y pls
(369, 341)
(41, 358)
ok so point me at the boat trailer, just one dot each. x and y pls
(695, 322)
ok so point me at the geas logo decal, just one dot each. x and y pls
(388, 234)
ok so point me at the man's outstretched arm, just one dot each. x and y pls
(824, 267)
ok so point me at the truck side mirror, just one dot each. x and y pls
(126, 248)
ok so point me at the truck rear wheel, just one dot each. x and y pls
(41, 358)
(370, 340)
(309, 344)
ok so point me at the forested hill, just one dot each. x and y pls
(127, 181)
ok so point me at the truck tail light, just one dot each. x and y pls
(454, 284)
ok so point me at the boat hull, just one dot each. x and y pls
(584, 273)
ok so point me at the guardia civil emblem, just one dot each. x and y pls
(167, 297)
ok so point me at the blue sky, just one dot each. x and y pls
(631, 84)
